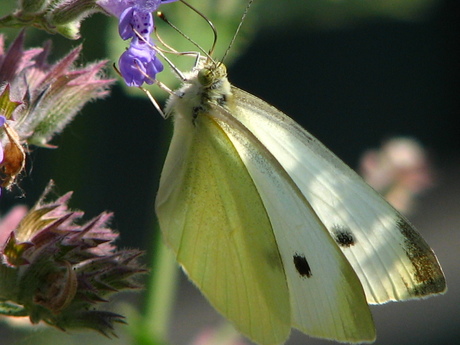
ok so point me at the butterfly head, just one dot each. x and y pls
(211, 73)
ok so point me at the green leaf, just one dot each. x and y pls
(7, 106)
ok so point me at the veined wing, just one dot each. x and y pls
(391, 259)
(213, 218)
(327, 299)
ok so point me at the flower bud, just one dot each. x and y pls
(33, 6)
(70, 11)
(46, 96)
(69, 30)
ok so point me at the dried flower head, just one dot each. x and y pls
(400, 170)
(55, 270)
(222, 335)
(38, 99)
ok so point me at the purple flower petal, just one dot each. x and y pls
(150, 5)
(115, 7)
(132, 18)
(142, 22)
(125, 27)
(155, 66)
(147, 5)
(129, 69)
(139, 64)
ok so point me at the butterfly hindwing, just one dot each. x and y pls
(214, 220)
(327, 299)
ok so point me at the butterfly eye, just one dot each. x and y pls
(211, 75)
(205, 77)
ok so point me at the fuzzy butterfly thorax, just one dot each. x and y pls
(206, 84)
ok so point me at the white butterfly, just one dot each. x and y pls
(274, 229)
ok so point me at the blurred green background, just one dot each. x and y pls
(352, 72)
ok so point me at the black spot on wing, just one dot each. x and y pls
(343, 236)
(301, 265)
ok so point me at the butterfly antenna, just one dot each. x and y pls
(162, 16)
(169, 49)
(157, 35)
(246, 10)
(211, 25)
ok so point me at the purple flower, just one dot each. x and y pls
(139, 64)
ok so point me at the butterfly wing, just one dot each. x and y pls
(248, 239)
(213, 218)
(327, 299)
(392, 260)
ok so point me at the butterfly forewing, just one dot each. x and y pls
(391, 259)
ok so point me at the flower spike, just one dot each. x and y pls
(139, 63)
(56, 271)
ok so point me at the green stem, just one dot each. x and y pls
(160, 297)
(19, 20)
